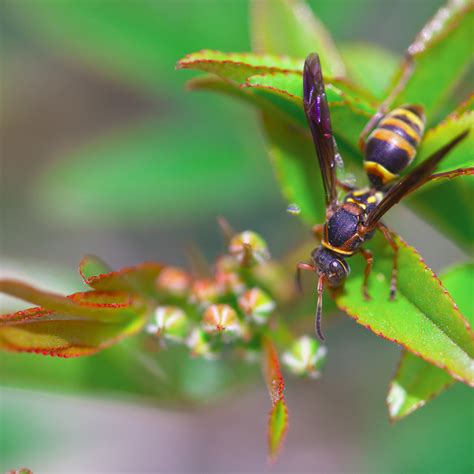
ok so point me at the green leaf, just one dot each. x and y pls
(423, 318)
(80, 324)
(349, 107)
(238, 66)
(463, 155)
(91, 266)
(442, 53)
(278, 420)
(417, 382)
(437, 200)
(282, 93)
(370, 66)
(277, 428)
(290, 27)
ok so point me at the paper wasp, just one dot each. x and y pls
(349, 223)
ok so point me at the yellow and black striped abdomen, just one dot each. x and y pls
(391, 147)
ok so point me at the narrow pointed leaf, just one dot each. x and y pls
(277, 428)
(278, 418)
(88, 323)
(290, 27)
(238, 66)
(423, 318)
(416, 381)
(442, 53)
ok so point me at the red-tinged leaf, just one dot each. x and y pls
(85, 307)
(417, 382)
(290, 27)
(442, 53)
(91, 266)
(89, 322)
(238, 66)
(139, 280)
(423, 318)
(277, 428)
(278, 421)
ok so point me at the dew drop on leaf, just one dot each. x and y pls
(293, 209)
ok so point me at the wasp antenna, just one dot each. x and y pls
(319, 307)
(226, 229)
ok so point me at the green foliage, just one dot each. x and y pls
(416, 381)
(423, 318)
(442, 53)
(237, 310)
(80, 324)
(278, 418)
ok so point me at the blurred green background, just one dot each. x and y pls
(103, 151)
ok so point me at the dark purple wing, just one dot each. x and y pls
(319, 120)
(411, 181)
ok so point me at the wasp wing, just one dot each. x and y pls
(411, 182)
(317, 113)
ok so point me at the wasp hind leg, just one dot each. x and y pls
(451, 174)
(369, 260)
(391, 241)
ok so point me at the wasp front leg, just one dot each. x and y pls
(391, 241)
(299, 267)
(369, 260)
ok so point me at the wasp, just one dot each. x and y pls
(353, 220)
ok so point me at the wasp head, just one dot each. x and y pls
(331, 266)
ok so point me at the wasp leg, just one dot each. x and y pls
(369, 260)
(452, 174)
(345, 186)
(318, 231)
(391, 241)
(384, 106)
(299, 267)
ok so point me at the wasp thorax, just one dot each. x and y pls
(332, 266)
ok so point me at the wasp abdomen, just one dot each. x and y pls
(391, 147)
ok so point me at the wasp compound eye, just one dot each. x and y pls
(332, 266)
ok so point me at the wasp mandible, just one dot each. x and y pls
(390, 148)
